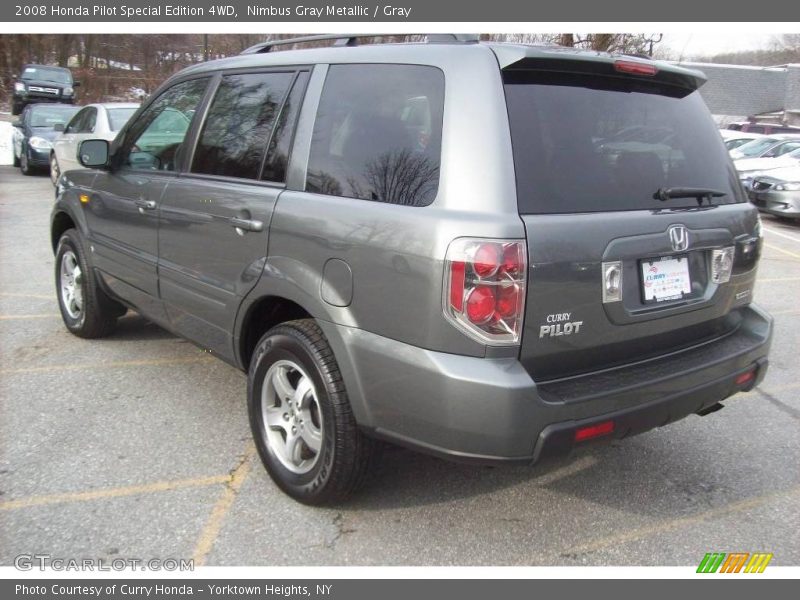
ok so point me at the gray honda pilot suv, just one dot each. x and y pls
(488, 252)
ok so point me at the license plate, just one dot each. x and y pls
(665, 278)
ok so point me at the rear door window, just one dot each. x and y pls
(378, 134)
(239, 124)
(589, 143)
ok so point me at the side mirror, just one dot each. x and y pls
(58, 127)
(17, 124)
(93, 154)
(76, 84)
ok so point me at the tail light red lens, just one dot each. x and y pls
(481, 304)
(486, 259)
(594, 431)
(485, 288)
(635, 68)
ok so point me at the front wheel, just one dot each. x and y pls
(25, 165)
(86, 310)
(55, 170)
(301, 418)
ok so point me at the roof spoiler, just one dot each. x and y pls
(556, 60)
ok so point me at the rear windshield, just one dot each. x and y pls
(585, 143)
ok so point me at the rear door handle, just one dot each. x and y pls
(244, 225)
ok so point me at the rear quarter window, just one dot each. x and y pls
(378, 134)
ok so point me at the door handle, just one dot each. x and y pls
(145, 205)
(244, 225)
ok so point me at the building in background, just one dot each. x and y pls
(757, 94)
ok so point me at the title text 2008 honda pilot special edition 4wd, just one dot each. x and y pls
(487, 252)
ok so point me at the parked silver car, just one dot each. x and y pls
(94, 121)
(778, 192)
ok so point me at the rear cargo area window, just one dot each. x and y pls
(378, 134)
(587, 143)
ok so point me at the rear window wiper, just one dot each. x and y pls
(699, 194)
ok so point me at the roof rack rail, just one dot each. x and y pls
(352, 40)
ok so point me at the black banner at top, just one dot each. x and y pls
(410, 11)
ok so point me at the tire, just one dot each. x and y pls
(87, 312)
(55, 170)
(297, 354)
(24, 165)
(16, 159)
(16, 108)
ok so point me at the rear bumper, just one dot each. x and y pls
(490, 410)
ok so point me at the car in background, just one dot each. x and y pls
(96, 121)
(767, 147)
(43, 83)
(34, 133)
(764, 128)
(733, 139)
(777, 192)
(748, 168)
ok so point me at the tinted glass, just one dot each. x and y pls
(43, 115)
(89, 121)
(378, 134)
(588, 143)
(155, 139)
(47, 74)
(117, 117)
(281, 143)
(239, 124)
(75, 124)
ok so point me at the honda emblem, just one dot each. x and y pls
(679, 237)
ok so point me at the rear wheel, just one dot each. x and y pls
(301, 418)
(86, 310)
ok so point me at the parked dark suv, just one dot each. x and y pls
(42, 83)
(426, 243)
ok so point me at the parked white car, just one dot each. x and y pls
(733, 139)
(750, 167)
(769, 146)
(94, 121)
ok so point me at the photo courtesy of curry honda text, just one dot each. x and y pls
(434, 244)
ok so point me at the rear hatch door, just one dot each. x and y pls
(629, 197)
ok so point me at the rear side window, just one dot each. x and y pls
(239, 124)
(279, 147)
(587, 143)
(117, 117)
(378, 134)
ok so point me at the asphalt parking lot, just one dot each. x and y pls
(138, 446)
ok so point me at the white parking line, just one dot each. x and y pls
(783, 235)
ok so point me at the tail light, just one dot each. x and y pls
(635, 67)
(722, 264)
(484, 291)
